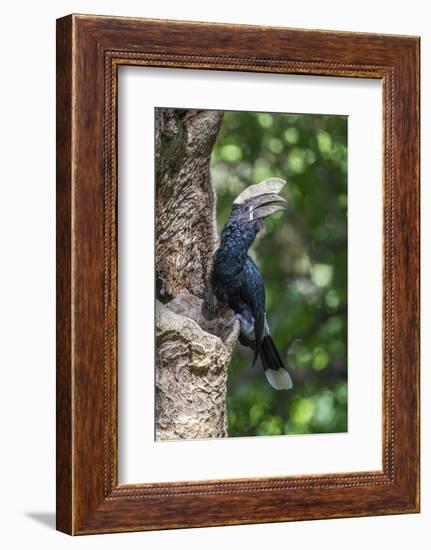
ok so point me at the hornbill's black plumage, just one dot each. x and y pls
(236, 280)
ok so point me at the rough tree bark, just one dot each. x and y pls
(192, 352)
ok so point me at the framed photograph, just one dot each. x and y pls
(237, 274)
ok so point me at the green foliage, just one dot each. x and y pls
(302, 256)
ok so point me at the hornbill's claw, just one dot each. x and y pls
(230, 322)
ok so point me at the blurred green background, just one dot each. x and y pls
(302, 256)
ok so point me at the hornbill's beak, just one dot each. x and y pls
(262, 198)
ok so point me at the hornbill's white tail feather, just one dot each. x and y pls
(275, 371)
(279, 379)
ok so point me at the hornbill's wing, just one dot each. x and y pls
(253, 294)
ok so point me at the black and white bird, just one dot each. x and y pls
(237, 282)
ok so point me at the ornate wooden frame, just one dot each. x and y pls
(89, 51)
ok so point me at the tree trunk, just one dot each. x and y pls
(192, 352)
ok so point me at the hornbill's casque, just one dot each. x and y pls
(236, 280)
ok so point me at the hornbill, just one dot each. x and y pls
(237, 282)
